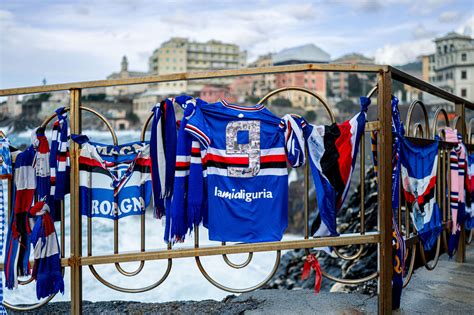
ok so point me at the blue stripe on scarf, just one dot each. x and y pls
(157, 194)
(170, 138)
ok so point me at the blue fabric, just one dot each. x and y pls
(126, 185)
(418, 160)
(242, 209)
(325, 151)
(159, 205)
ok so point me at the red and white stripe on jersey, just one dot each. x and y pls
(272, 161)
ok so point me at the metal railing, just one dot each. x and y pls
(75, 260)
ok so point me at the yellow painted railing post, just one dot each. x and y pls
(74, 212)
(385, 192)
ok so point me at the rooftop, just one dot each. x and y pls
(453, 35)
(308, 53)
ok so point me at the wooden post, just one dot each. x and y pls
(460, 110)
(74, 211)
(385, 192)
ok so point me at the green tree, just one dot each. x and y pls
(355, 86)
(345, 106)
(311, 116)
(133, 118)
(251, 99)
(281, 102)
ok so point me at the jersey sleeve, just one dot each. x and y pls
(198, 128)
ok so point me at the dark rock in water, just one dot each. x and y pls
(288, 275)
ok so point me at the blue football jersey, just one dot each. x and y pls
(247, 176)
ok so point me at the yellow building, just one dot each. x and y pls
(181, 55)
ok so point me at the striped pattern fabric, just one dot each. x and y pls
(5, 171)
(114, 181)
(47, 266)
(333, 153)
(457, 159)
(59, 161)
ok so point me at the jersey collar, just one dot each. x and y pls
(254, 108)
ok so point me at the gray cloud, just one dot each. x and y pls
(421, 32)
(449, 16)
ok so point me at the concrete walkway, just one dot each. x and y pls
(448, 289)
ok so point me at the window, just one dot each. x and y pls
(445, 49)
(464, 57)
(463, 93)
(464, 75)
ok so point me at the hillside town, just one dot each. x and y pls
(450, 67)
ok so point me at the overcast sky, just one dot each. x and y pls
(65, 41)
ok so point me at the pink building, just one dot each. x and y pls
(213, 93)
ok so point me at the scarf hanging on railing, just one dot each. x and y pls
(59, 162)
(18, 244)
(418, 169)
(457, 158)
(163, 152)
(189, 203)
(398, 243)
(469, 219)
(5, 173)
(332, 155)
(41, 165)
(47, 266)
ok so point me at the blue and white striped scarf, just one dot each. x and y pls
(163, 153)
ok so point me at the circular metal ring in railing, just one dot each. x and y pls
(90, 110)
(351, 257)
(23, 308)
(411, 268)
(419, 130)
(135, 290)
(410, 113)
(223, 287)
(296, 88)
(350, 281)
(435, 259)
(439, 111)
(233, 290)
(234, 265)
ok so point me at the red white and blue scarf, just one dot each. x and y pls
(47, 266)
(332, 155)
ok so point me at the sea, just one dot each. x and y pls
(185, 281)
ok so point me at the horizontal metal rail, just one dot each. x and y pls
(347, 239)
(415, 82)
(187, 76)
